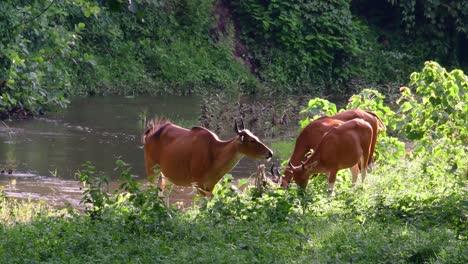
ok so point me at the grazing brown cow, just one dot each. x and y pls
(308, 140)
(342, 147)
(312, 134)
(196, 157)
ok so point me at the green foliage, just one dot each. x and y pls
(36, 49)
(406, 33)
(317, 107)
(129, 201)
(444, 22)
(51, 49)
(142, 206)
(412, 211)
(164, 47)
(436, 113)
(229, 203)
(54, 49)
(388, 57)
(95, 194)
(297, 43)
(389, 150)
(374, 101)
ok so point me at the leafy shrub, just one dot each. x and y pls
(297, 43)
(140, 208)
(443, 23)
(36, 50)
(228, 202)
(374, 101)
(436, 114)
(407, 212)
(95, 195)
(438, 110)
(163, 47)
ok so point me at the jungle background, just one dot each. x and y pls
(405, 60)
(54, 49)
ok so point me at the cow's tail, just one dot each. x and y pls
(154, 128)
(381, 126)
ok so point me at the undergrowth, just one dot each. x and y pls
(414, 212)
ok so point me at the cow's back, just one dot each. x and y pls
(367, 116)
(344, 145)
(164, 136)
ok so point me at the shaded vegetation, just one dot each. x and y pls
(160, 47)
(327, 46)
(53, 49)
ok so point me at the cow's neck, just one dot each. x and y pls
(227, 154)
(298, 156)
(301, 147)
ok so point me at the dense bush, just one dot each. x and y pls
(409, 212)
(160, 47)
(297, 44)
(53, 49)
(445, 23)
(431, 30)
(317, 46)
(36, 43)
(435, 107)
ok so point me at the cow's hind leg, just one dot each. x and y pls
(153, 172)
(331, 181)
(354, 173)
(156, 177)
(204, 193)
(363, 168)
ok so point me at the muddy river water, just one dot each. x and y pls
(44, 153)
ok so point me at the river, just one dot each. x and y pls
(44, 153)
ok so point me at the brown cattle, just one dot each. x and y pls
(308, 140)
(312, 134)
(196, 157)
(342, 147)
(371, 118)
